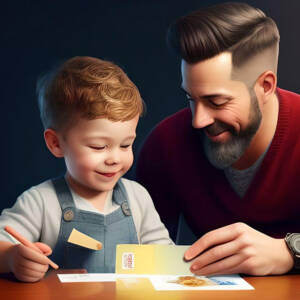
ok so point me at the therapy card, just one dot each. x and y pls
(152, 259)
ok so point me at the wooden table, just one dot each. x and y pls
(285, 287)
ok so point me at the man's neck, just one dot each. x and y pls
(263, 137)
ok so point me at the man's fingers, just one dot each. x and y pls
(215, 254)
(212, 238)
(225, 266)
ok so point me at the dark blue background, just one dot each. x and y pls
(37, 34)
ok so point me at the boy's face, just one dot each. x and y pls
(97, 153)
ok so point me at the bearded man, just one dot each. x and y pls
(230, 163)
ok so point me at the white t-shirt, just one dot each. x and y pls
(37, 214)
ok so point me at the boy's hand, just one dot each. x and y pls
(44, 248)
(29, 265)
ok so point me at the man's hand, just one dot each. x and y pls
(29, 265)
(238, 248)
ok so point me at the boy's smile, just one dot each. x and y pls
(108, 174)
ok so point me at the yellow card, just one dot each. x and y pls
(152, 259)
(78, 238)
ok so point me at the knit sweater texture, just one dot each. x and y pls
(173, 168)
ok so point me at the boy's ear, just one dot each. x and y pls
(265, 86)
(53, 142)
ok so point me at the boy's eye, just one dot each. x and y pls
(125, 146)
(98, 147)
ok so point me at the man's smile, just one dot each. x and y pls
(222, 136)
(218, 132)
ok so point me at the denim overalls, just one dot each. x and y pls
(112, 229)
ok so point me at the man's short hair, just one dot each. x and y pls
(86, 87)
(234, 27)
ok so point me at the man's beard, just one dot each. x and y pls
(223, 155)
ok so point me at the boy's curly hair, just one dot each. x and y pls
(86, 87)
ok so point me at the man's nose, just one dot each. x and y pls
(202, 116)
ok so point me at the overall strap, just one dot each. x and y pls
(63, 193)
(120, 197)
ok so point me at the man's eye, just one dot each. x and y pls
(218, 102)
(98, 147)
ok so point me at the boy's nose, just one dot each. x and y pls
(201, 115)
(113, 158)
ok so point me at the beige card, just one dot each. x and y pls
(78, 238)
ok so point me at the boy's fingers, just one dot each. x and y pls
(36, 256)
(30, 270)
(44, 248)
(26, 278)
(33, 255)
(32, 266)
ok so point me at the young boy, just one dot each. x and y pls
(90, 110)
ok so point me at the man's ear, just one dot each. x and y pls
(53, 142)
(265, 86)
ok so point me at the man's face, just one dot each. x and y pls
(224, 109)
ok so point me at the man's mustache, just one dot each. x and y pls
(217, 128)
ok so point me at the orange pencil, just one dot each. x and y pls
(28, 244)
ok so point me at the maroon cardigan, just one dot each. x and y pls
(174, 170)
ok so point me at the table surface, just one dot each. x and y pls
(286, 287)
